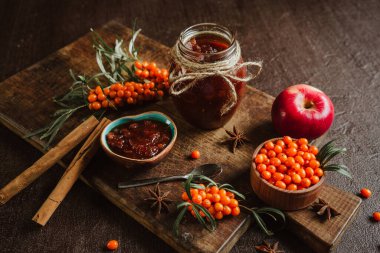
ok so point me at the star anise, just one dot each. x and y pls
(238, 138)
(159, 199)
(267, 247)
(324, 209)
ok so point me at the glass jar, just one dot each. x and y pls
(205, 100)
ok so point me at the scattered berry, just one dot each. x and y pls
(366, 193)
(112, 245)
(195, 154)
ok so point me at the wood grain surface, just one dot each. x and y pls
(333, 45)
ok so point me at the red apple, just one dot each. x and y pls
(302, 111)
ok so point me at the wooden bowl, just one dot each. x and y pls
(130, 162)
(276, 197)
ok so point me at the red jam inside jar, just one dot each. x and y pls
(202, 104)
(139, 139)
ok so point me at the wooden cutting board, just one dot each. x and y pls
(26, 105)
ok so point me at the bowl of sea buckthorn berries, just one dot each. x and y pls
(286, 174)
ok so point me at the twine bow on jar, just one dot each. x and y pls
(194, 71)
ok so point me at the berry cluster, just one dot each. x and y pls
(219, 202)
(154, 83)
(289, 164)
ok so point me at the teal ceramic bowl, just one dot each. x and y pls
(130, 162)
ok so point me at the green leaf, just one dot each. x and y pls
(322, 152)
(260, 222)
(237, 193)
(178, 221)
(211, 219)
(331, 154)
(206, 179)
(342, 169)
(188, 186)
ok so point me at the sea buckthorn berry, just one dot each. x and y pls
(259, 158)
(271, 154)
(291, 172)
(266, 161)
(295, 166)
(366, 193)
(300, 153)
(263, 151)
(278, 176)
(211, 210)
(101, 97)
(222, 192)
(269, 145)
(233, 203)
(230, 194)
(227, 210)
(192, 213)
(152, 66)
(280, 143)
(318, 172)
(92, 98)
(282, 157)
(376, 216)
(219, 215)
(197, 199)
(120, 93)
(90, 106)
(113, 94)
(193, 191)
(306, 156)
(271, 168)
(292, 187)
(299, 160)
(290, 161)
(287, 139)
(214, 189)
(314, 179)
(282, 168)
(261, 167)
(105, 103)
(309, 172)
(130, 100)
(138, 72)
(218, 207)
(160, 93)
(314, 164)
(112, 245)
(144, 64)
(215, 197)
(293, 145)
(206, 203)
(195, 154)
(305, 182)
(145, 74)
(96, 106)
(98, 90)
(304, 148)
(202, 193)
(287, 179)
(277, 149)
(225, 200)
(303, 141)
(291, 152)
(209, 196)
(280, 184)
(313, 150)
(266, 174)
(235, 211)
(275, 161)
(296, 179)
(138, 64)
(184, 196)
(301, 172)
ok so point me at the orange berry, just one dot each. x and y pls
(138, 72)
(275, 161)
(280, 143)
(222, 192)
(118, 101)
(304, 148)
(235, 211)
(314, 179)
(112, 245)
(293, 145)
(306, 156)
(206, 203)
(211, 210)
(318, 172)
(152, 66)
(269, 145)
(105, 103)
(130, 100)
(184, 196)
(280, 184)
(218, 207)
(144, 64)
(145, 74)
(197, 199)
(215, 197)
(282, 168)
(92, 98)
(233, 203)
(291, 151)
(272, 169)
(219, 215)
(366, 193)
(266, 174)
(214, 189)
(296, 179)
(96, 106)
(90, 106)
(160, 93)
(209, 196)
(287, 179)
(225, 200)
(376, 216)
(138, 64)
(313, 150)
(101, 97)
(202, 193)
(259, 158)
(98, 90)
(263, 151)
(227, 210)
(277, 149)
(195, 154)
(296, 166)
(292, 187)
(277, 176)
(305, 182)
(314, 164)
(261, 167)
(287, 139)
(309, 172)
(271, 154)
(303, 141)
(120, 93)
(300, 153)
(290, 161)
(299, 160)
(301, 172)
(113, 94)
(282, 157)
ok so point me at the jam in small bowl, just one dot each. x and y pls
(143, 139)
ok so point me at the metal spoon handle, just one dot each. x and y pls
(135, 183)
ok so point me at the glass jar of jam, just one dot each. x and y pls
(207, 97)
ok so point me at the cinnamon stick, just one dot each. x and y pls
(48, 160)
(71, 175)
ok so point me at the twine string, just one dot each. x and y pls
(223, 68)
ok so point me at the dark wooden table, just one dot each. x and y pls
(334, 45)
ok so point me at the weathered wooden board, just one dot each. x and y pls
(26, 104)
